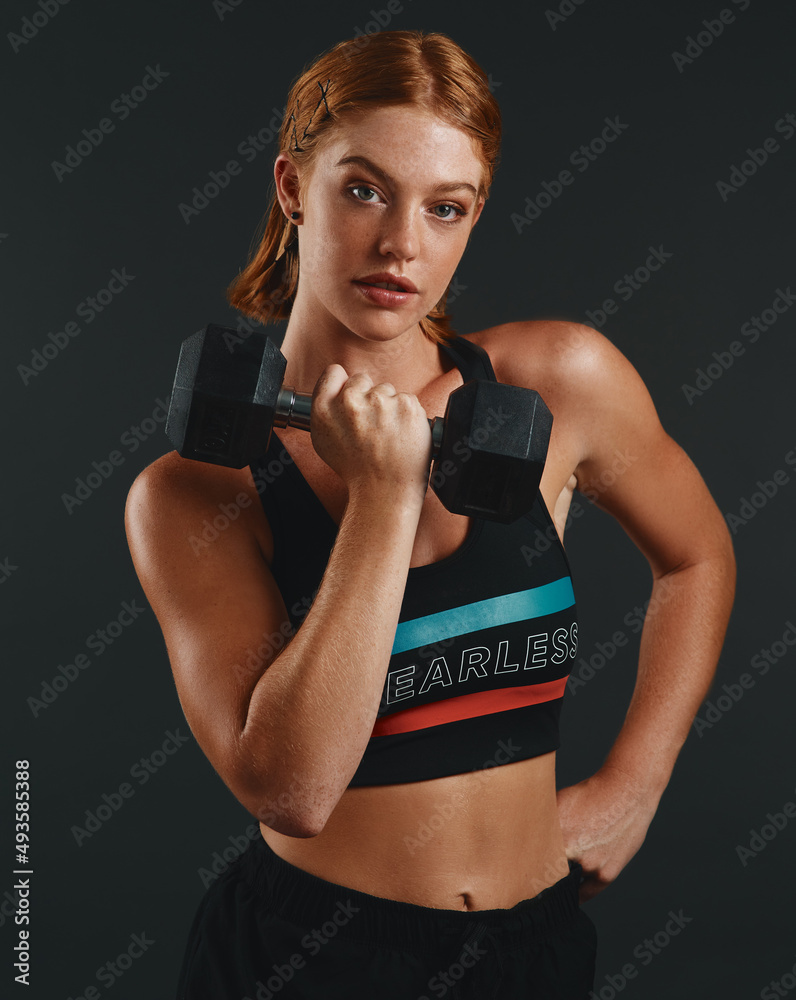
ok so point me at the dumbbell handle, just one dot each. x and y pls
(293, 409)
(224, 408)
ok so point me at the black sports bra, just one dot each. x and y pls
(485, 638)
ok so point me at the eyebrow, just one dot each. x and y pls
(363, 161)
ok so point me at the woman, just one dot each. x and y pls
(413, 842)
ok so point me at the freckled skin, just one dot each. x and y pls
(354, 222)
(376, 378)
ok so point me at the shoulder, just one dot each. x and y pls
(175, 493)
(580, 374)
(560, 353)
(172, 484)
(607, 433)
(599, 402)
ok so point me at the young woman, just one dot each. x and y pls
(375, 678)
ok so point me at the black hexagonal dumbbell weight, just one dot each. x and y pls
(489, 449)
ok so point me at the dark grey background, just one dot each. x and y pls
(67, 574)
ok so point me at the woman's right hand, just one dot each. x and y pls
(372, 436)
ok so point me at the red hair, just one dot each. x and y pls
(429, 71)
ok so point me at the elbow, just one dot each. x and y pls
(283, 792)
(714, 557)
(282, 807)
(288, 823)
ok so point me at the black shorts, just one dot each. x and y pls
(266, 930)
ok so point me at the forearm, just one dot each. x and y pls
(313, 710)
(680, 645)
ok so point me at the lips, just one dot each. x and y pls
(390, 282)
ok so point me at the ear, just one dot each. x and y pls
(477, 212)
(286, 179)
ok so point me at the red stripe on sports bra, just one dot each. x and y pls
(468, 706)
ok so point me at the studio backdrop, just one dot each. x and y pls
(646, 189)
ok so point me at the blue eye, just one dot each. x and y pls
(365, 188)
(454, 213)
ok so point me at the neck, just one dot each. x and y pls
(409, 361)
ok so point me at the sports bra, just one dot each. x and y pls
(485, 639)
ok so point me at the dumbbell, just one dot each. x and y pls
(489, 449)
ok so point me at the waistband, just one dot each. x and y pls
(310, 901)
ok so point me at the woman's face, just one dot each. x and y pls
(392, 193)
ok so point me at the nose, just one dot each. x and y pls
(400, 237)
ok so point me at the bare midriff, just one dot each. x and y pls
(481, 840)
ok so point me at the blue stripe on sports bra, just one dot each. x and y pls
(516, 607)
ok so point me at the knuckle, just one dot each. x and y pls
(327, 376)
(356, 384)
(603, 876)
(407, 401)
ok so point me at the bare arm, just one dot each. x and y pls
(310, 718)
(287, 729)
(663, 504)
(605, 818)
